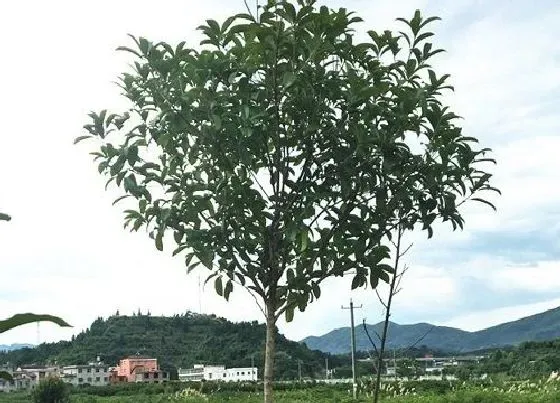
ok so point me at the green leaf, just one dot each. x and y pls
(289, 313)
(218, 286)
(228, 289)
(485, 202)
(25, 318)
(159, 240)
(81, 138)
(357, 281)
(304, 239)
(288, 79)
(316, 290)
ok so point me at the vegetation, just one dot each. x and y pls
(412, 392)
(529, 360)
(282, 154)
(51, 390)
(178, 341)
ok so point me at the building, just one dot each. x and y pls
(201, 372)
(138, 369)
(33, 374)
(93, 374)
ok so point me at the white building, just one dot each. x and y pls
(93, 374)
(217, 373)
(35, 374)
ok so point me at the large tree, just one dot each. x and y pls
(275, 152)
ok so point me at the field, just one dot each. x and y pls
(431, 392)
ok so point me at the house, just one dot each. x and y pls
(138, 369)
(92, 374)
(201, 372)
(35, 374)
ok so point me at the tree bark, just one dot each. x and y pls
(269, 354)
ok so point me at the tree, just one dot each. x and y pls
(273, 154)
(51, 390)
(5, 217)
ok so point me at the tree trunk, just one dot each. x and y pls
(392, 292)
(269, 355)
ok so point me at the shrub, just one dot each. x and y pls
(51, 390)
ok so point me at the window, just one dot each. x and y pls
(79, 370)
(155, 375)
(89, 370)
(105, 379)
(89, 380)
(146, 375)
(80, 380)
(210, 375)
(243, 373)
(96, 369)
(225, 374)
(98, 379)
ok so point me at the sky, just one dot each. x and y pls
(65, 252)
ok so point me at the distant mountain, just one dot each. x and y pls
(177, 342)
(11, 347)
(539, 327)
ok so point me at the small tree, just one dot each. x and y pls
(51, 390)
(273, 155)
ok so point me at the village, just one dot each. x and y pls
(132, 369)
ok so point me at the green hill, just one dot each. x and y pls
(178, 341)
(540, 327)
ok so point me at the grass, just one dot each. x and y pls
(537, 393)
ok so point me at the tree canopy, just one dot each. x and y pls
(282, 152)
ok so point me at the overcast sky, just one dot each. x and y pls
(65, 251)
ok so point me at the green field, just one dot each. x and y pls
(518, 392)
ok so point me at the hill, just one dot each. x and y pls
(178, 341)
(540, 327)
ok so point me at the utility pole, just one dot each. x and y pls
(253, 367)
(353, 345)
(395, 362)
(326, 368)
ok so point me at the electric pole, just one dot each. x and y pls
(353, 345)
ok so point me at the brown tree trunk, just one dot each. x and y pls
(269, 355)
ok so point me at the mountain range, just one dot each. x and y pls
(539, 327)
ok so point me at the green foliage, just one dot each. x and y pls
(283, 147)
(188, 339)
(25, 318)
(51, 390)
(5, 217)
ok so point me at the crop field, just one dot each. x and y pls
(431, 392)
